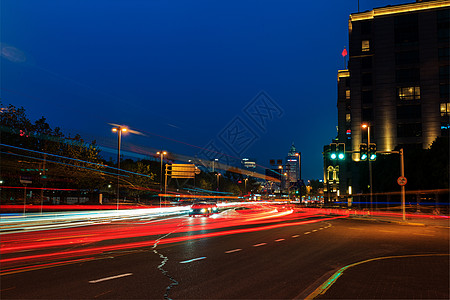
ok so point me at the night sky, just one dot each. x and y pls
(187, 74)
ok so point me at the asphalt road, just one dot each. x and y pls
(246, 256)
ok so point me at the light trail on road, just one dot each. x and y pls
(44, 247)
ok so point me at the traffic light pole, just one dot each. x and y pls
(370, 170)
(402, 172)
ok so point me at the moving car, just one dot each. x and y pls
(203, 209)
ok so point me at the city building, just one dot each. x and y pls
(397, 83)
(293, 165)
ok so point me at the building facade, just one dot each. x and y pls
(397, 82)
(293, 165)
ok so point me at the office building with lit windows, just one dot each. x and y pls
(397, 81)
(293, 165)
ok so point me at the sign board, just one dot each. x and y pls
(402, 180)
(183, 171)
(25, 180)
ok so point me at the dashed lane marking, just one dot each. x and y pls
(295, 236)
(191, 260)
(110, 278)
(234, 250)
(424, 234)
(307, 232)
(279, 240)
(258, 245)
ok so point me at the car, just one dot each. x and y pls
(203, 209)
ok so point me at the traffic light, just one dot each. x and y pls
(333, 154)
(372, 152)
(341, 151)
(363, 151)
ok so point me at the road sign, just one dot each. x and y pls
(25, 179)
(183, 171)
(402, 180)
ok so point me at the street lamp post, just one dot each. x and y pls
(161, 156)
(299, 179)
(119, 130)
(218, 174)
(216, 159)
(245, 186)
(364, 126)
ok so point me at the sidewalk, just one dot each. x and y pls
(410, 218)
(396, 277)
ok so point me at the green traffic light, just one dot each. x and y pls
(373, 157)
(364, 156)
(333, 156)
(341, 156)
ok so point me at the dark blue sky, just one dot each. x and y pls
(181, 72)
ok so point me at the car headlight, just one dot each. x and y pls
(203, 210)
(191, 210)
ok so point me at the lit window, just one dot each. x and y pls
(365, 45)
(347, 94)
(445, 109)
(409, 93)
(348, 117)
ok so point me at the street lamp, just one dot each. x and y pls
(299, 179)
(119, 129)
(216, 159)
(245, 186)
(217, 175)
(161, 156)
(364, 126)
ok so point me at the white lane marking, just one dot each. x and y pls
(320, 228)
(307, 232)
(314, 230)
(294, 236)
(110, 278)
(262, 244)
(279, 240)
(231, 251)
(191, 260)
(424, 234)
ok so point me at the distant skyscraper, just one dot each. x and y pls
(292, 165)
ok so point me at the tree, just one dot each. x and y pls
(45, 154)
